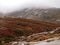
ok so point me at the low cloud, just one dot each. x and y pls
(11, 5)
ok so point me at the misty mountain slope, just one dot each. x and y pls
(50, 14)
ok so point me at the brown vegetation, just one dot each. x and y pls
(27, 26)
(16, 27)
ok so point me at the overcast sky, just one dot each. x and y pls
(10, 5)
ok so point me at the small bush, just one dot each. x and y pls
(18, 32)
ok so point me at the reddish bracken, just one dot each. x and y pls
(27, 26)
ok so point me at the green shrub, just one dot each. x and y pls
(18, 32)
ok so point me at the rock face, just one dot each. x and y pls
(50, 14)
(57, 30)
(54, 41)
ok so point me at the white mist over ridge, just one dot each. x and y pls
(11, 5)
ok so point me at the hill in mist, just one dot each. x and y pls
(29, 21)
(48, 14)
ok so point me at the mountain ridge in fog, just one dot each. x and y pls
(47, 14)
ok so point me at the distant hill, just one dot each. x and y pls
(49, 14)
(1, 15)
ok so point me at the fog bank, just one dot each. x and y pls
(11, 5)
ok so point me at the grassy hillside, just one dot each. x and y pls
(26, 25)
(11, 28)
